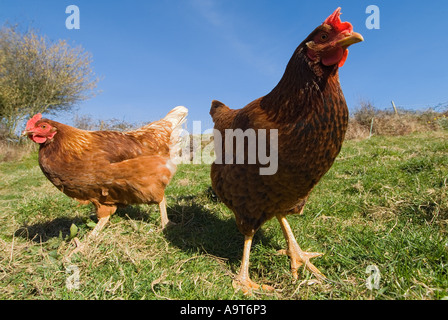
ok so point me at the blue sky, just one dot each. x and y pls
(155, 55)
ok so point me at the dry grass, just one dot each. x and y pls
(356, 131)
(368, 120)
(13, 151)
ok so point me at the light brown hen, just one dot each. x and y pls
(108, 168)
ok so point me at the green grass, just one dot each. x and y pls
(383, 203)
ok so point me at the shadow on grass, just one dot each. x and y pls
(41, 232)
(200, 226)
(198, 229)
(44, 231)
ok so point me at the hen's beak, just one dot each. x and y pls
(26, 133)
(349, 40)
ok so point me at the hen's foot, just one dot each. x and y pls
(79, 247)
(247, 285)
(242, 281)
(299, 258)
(168, 225)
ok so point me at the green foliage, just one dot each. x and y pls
(73, 231)
(443, 122)
(383, 203)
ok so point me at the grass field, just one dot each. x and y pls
(384, 204)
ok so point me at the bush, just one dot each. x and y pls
(86, 122)
(40, 75)
(367, 120)
(365, 113)
(15, 150)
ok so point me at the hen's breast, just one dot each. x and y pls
(308, 148)
(306, 151)
(75, 176)
(311, 131)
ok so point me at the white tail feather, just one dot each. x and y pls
(177, 118)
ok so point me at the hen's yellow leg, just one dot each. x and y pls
(298, 257)
(99, 226)
(163, 215)
(103, 213)
(242, 280)
(79, 246)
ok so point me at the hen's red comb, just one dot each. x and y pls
(30, 124)
(335, 22)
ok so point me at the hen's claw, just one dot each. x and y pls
(247, 285)
(78, 247)
(242, 280)
(298, 257)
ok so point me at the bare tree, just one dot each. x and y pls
(37, 75)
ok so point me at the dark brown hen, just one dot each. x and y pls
(308, 113)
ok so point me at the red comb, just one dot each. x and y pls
(335, 21)
(30, 124)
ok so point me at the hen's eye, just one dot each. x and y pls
(43, 126)
(323, 36)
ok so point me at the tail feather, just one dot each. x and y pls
(222, 115)
(177, 118)
(165, 131)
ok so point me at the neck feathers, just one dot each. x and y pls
(67, 140)
(303, 89)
